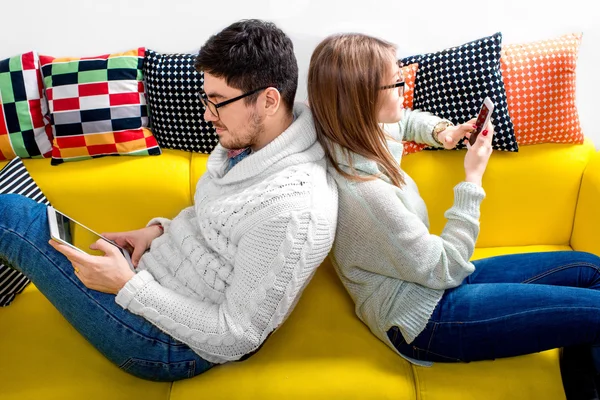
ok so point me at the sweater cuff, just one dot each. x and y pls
(429, 124)
(164, 222)
(132, 287)
(468, 197)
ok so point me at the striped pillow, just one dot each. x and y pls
(14, 178)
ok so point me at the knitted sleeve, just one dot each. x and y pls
(274, 261)
(417, 126)
(400, 244)
(165, 222)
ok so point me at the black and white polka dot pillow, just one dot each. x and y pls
(176, 113)
(452, 84)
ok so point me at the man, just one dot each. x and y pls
(213, 283)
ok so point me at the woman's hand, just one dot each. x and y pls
(136, 242)
(452, 135)
(478, 155)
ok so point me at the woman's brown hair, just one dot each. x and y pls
(344, 77)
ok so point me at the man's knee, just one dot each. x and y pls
(12, 200)
(15, 206)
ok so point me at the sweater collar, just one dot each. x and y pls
(297, 144)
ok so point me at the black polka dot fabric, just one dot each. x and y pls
(176, 113)
(452, 84)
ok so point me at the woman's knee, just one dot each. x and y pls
(582, 257)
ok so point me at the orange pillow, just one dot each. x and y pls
(410, 75)
(540, 88)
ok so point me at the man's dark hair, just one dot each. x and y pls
(250, 54)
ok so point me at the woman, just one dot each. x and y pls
(408, 284)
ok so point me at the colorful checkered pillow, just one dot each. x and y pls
(176, 113)
(452, 84)
(23, 132)
(540, 87)
(98, 106)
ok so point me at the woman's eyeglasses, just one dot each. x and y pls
(399, 85)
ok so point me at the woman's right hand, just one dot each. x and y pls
(135, 242)
(478, 155)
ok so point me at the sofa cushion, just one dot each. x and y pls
(452, 84)
(322, 351)
(97, 106)
(23, 132)
(540, 87)
(587, 218)
(176, 113)
(533, 376)
(14, 178)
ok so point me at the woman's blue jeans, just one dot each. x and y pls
(513, 305)
(126, 339)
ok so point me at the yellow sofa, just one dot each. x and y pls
(546, 197)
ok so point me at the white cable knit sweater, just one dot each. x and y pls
(230, 269)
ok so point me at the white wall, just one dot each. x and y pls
(89, 27)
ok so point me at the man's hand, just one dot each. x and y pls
(107, 273)
(452, 135)
(136, 242)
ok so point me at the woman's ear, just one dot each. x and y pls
(272, 101)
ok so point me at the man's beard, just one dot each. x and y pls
(255, 129)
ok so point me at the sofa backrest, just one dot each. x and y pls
(531, 196)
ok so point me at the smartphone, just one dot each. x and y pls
(484, 117)
(65, 230)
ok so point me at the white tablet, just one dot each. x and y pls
(62, 230)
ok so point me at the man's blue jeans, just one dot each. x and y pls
(513, 305)
(126, 339)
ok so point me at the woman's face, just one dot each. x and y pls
(392, 98)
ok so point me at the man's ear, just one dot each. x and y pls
(272, 101)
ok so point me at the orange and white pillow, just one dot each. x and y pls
(410, 75)
(539, 78)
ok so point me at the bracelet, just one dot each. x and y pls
(438, 128)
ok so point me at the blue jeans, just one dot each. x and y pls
(514, 305)
(126, 339)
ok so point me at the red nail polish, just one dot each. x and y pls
(474, 126)
(484, 133)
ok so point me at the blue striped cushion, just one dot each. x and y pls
(14, 178)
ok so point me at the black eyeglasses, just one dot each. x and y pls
(213, 107)
(394, 86)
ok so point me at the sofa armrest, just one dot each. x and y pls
(586, 228)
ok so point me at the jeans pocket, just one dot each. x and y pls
(159, 371)
(423, 346)
(399, 342)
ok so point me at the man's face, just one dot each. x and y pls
(238, 125)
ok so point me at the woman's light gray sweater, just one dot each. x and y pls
(393, 268)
